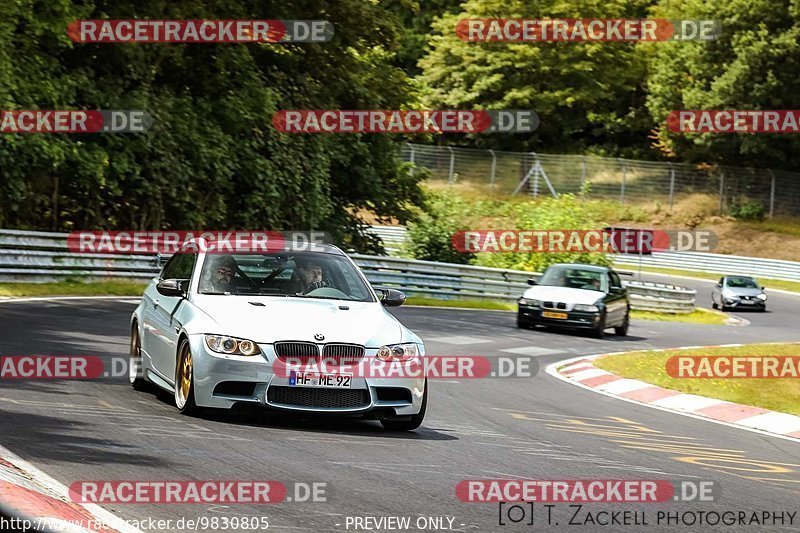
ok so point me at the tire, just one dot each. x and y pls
(135, 373)
(714, 305)
(184, 381)
(416, 420)
(524, 324)
(622, 330)
(600, 331)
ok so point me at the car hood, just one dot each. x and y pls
(743, 291)
(297, 319)
(563, 294)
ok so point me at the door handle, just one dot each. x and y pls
(155, 303)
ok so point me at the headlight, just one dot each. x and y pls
(397, 352)
(762, 297)
(231, 345)
(585, 307)
(530, 302)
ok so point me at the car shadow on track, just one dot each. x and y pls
(611, 337)
(259, 417)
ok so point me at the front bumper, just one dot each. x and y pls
(744, 304)
(573, 320)
(223, 381)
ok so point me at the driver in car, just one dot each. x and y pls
(311, 278)
(223, 269)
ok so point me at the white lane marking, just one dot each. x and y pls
(459, 340)
(61, 491)
(531, 350)
(586, 374)
(621, 386)
(773, 421)
(687, 402)
(552, 370)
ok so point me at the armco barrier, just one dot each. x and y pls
(40, 257)
(722, 264)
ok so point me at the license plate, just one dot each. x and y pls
(747, 302)
(550, 314)
(325, 381)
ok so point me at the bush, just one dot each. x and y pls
(429, 237)
(747, 210)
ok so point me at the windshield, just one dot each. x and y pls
(575, 278)
(299, 274)
(743, 283)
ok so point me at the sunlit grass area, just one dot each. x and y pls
(781, 394)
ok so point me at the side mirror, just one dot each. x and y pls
(531, 281)
(173, 287)
(391, 297)
(616, 290)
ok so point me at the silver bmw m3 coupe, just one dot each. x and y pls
(218, 330)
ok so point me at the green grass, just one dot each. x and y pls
(784, 225)
(73, 288)
(780, 284)
(698, 316)
(776, 394)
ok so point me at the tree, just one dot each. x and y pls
(587, 94)
(754, 64)
(212, 158)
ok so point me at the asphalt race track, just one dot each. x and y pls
(538, 428)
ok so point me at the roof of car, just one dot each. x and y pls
(582, 266)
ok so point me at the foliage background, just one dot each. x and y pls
(213, 160)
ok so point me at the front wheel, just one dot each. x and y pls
(600, 330)
(622, 329)
(184, 381)
(135, 371)
(414, 422)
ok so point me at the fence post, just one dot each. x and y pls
(583, 172)
(494, 168)
(535, 176)
(721, 191)
(452, 166)
(772, 194)
(411, 146)
(624, 177)
(671, 185)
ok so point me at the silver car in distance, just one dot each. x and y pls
(213, 328)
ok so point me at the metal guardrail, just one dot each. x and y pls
(721, 264)
(40, 257)
(717, 264)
